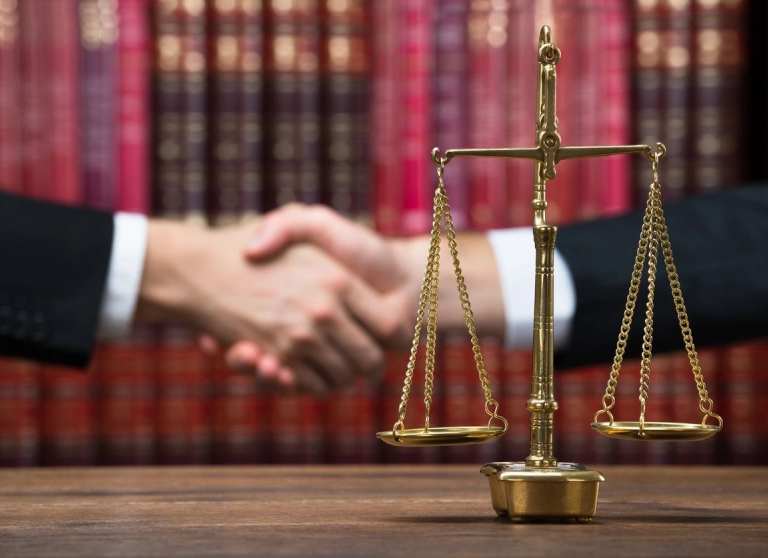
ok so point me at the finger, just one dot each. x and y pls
(363, 354)
(355, 246)
(286, 377)
(309, 380)
(371, 310)
(243, 356)
(208, 345)
(329, 363)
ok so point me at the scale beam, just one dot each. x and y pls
(538, 154)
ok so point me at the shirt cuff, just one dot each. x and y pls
(126, 264)
(516, 261)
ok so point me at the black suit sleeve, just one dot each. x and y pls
(55, 261)
(719, 244)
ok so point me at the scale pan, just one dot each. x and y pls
(442, 436)
(656, 430)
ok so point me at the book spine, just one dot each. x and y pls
(10, 98)
(612, 113)
(461, 400)
(98, 110)
(488, 38)
(35, 102)
(251, 172)
(719, 72)
(388, 197)
(126, 400)
(224, 118)
(575, 440)
(183, 416)
(345, 66)
(521, 107)
(67, 417)
(168, 198)
(450, 99)
(194, 98)
(741, 412)
(308, 96)
(414, 47)
(63, 86)
(282, 104)
(677, 88)
(238, 415)
(647, 88)
(19, 413)
(516, 379)
(133, 106)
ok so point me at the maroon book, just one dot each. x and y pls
(19, 413)
(98, 103)
(281, 99)
(345, 66)
(450, 99)
(308, 97)
(224, 113)
(513, 401)
(251, 111)
(719, 77)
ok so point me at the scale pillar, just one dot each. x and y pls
(542, 404)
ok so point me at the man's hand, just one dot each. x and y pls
(314, 319)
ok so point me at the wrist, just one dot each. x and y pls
(164, 293)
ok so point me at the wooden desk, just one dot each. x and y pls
(368, 511)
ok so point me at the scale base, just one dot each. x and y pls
(567, 491)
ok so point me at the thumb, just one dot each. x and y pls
(357, 248)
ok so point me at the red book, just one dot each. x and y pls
(238, 415)
(628, 408)
(450, 99)
(522, 74)
(68, 428)
(19, 413)
(126, 406)
(63, 85)
(133, 106)
(183, 400)
(610, 73)
(296, 429)
(385, 123)
(462, 400)
(573, 434)
(493, 353)
(515, 390)
(488, 105)
(740, 408)
(660, 406)
(35, 27)
(350, 429)
(10, 98)
(415, 40)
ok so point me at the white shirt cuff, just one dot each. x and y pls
(126, 264)
(515, 259)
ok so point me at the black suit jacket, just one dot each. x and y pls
(720, 244)
(54, 266)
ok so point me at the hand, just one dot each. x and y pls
(302, 309)
(392, 267)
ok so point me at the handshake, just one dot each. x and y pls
(304, 298)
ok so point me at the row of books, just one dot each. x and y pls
(217, 111)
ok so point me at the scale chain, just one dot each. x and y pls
(428, 303)
(654, 233)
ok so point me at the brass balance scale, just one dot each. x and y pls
(542, 487)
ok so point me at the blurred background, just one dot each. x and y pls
(217, 110)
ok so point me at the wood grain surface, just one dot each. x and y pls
(368, 511)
